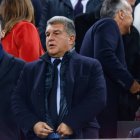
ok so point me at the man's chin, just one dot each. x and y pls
(128, 31)
(52, 53)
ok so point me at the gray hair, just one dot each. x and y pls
(68, 23)
(111, 7)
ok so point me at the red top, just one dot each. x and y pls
(23, 42)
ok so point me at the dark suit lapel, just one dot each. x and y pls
(70, 81)
(39, 89)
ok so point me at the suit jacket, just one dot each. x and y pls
(85, 21)
(10, 69)
(109, 51)
(104, 42)
(85, 93)
(37, 11)
(60, 8)
(132, 55)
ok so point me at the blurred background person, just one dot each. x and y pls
(10, 69)
(104, 42)
(128, 103)
(20, 36)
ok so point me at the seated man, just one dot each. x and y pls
(60, 100)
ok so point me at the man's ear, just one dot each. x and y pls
(121, 14)
(72, 39)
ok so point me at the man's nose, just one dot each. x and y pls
(51, 37)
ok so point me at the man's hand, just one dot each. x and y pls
(42, 130)
(64, 130)
(135, 87)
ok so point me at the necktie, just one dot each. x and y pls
(78, 8)
(53, 94)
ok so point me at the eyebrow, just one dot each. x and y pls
(57, 30)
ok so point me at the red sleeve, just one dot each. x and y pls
(28, 42)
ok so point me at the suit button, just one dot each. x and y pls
(39, 93)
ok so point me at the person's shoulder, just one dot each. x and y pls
(87, 60)
(18, 60)
(24, 25)
(13, 58)
(12, 61)
(30, 67)
(35, 63)
(105, 25)
(106, 22)
(24, 28)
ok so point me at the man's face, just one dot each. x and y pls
(127, 21)
(57, 40)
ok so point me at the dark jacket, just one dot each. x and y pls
(10, 69)
(132, 52)
(37, 11)
(110, 55)
(60, 8)
(84, 89)
(104, 42)
(129, 102)
(85, 21)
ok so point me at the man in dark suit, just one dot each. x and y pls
(10, 69)
(80, 82)
(104, 42)
(62, 8)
